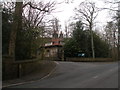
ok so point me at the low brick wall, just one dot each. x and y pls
(89, 59)
(8, 68)
(26, 67)
(14, 69)
(53, 58)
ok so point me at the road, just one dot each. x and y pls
(79, 75)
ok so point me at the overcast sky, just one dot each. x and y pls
(64, 12)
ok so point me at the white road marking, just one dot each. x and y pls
(56, 62)
(95, 77)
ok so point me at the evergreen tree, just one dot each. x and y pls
(80, 43)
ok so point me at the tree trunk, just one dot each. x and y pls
(92, 42)
(17, 25)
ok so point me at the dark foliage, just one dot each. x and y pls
(7, 19)
(80, 44)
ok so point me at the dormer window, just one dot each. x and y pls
(59, 42)
(53, 42)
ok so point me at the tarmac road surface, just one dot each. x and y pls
(79, 75)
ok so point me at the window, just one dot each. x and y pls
(48, 50)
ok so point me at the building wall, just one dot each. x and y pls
(54, 52)
(50, 52)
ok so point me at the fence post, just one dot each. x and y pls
(19, 70)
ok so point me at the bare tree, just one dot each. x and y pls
(115, 7)
(35, 12)
(88, 12)
(111, 33)
(32, 14)
(111, 37)
(51, 26)
(71, 26)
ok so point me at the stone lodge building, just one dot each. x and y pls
(54, 49)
